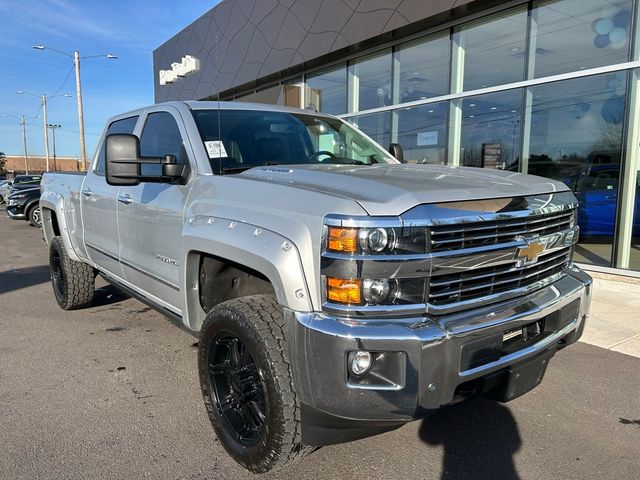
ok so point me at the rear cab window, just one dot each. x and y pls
(124, 125)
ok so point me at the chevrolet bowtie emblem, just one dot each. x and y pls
(529, 253)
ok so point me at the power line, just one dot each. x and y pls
(64, 82)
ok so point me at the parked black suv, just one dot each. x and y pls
(24, 203)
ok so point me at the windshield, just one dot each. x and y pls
(237, 140)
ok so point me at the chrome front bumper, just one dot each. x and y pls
(429, 358)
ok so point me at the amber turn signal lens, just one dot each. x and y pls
(343, 239)
(344, 291)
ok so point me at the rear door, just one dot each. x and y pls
(150, 215)
(99, 208)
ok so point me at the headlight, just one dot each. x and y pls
(376, 240)
(375, 291)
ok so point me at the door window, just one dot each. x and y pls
(161, 137)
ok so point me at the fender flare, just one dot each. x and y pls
(267, 252)
(55, 202)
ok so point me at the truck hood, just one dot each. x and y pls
(394, 189)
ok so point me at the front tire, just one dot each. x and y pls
(34, 216)
(73, 282)
(246, 382)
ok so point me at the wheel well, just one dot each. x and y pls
(220, 280)
(50, 223)
(30, 206)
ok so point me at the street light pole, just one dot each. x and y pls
(83, 150)
(44, 114)
(24, 142)
(46, 130)
(76, 63)
(53, 127)
(23, 124)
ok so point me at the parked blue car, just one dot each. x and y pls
(596, 188)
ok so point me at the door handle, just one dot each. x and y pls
(125, 198)
(87, 192)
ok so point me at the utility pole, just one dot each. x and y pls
(53, 127)
(76, 63)
(46, 130)
(83, 150)
(24, 142)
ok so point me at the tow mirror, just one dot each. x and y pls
(395, 149)
(124, 165)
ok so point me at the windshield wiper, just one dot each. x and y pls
(237, 169)
(347, 161)
(240, 169)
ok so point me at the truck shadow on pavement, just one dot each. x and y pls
(18, 278)
(108, 295)
(479, 438)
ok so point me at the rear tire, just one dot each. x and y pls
(246, 382)
(73, 282)
(34, 217)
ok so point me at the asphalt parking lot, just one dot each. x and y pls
(112, 392)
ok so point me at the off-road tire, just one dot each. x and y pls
(257, 321)
(73, 282)
(34, 216)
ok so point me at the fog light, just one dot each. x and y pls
(361, 363)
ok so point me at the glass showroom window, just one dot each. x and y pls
(291, 93)
(422, 132)
(576, 137)
(268, 95)
(634, 257)
(376, 125)
(327, 91)
(580, 34)
(372, 82)
(491, 130)
(494, 49)
(423, 68)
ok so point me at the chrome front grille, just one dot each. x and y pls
(484, 282)
(455, 256)
(447, 238)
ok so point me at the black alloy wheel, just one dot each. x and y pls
(238, 388)
(247, 385)
(73, 282)
(57, 275)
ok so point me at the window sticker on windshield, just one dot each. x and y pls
(215, 149)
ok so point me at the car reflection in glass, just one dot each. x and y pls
(596, 188)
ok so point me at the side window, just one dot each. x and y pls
(160, 137)
(126, 125)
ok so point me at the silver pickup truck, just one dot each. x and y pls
(336, 292)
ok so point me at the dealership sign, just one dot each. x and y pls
(187, 65)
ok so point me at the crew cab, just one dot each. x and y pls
(336, 292)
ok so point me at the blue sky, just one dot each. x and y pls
(130, 29)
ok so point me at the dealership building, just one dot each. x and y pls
(547, 87)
